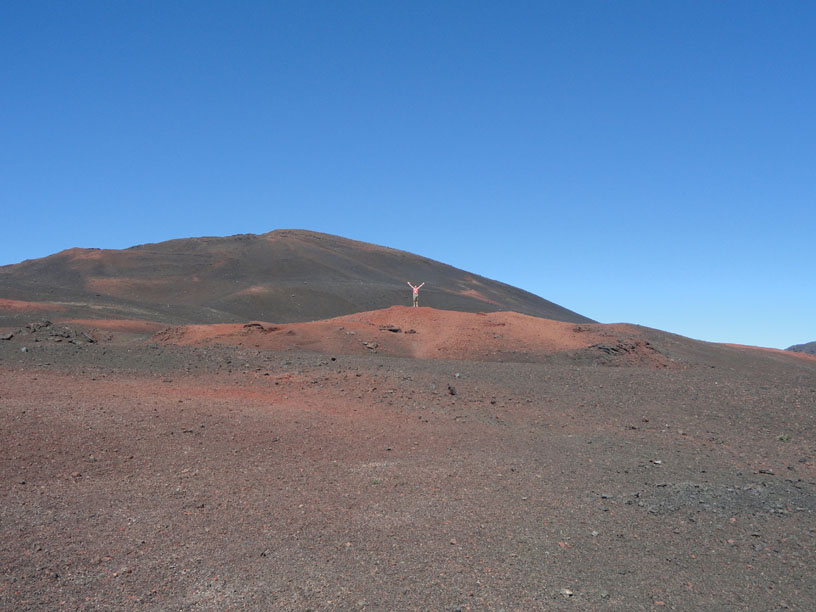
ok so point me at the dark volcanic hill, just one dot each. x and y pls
(282, 276)
(809, 347)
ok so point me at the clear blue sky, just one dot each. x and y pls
(648, 162)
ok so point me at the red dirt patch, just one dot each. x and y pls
(424, 333)
(21, 306)
(779, 352)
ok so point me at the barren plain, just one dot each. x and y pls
(402, 459)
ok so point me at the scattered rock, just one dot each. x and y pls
(623, 353)
(48, 331)
(38, 325)
(761, 498)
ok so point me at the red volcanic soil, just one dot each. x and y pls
(776, 352)
(20, 306)
(424, 333)
(233, 468)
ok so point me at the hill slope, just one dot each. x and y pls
(282, 276)
(808, 347)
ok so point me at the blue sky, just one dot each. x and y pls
(646, 162)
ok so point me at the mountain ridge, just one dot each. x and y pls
(285, 275)
(808, 348)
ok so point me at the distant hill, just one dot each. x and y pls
(283, 276)
(809, 348)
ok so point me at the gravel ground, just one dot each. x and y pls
(147, 477)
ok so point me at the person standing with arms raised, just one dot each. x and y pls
(416, 293)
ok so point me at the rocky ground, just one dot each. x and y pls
(143, 475)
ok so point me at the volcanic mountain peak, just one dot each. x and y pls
(282, 276)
